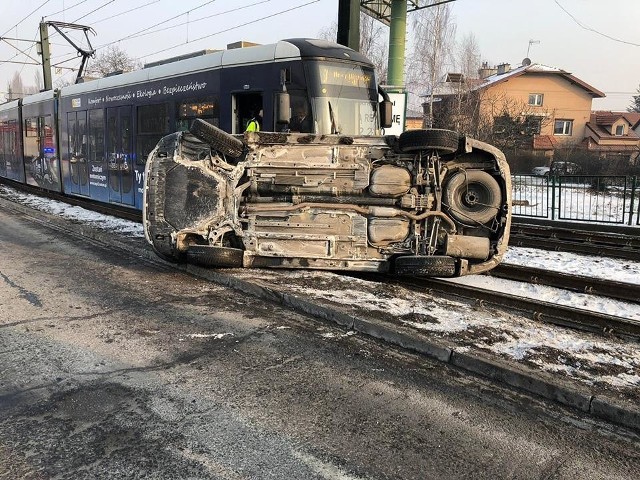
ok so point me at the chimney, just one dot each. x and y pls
(486, 71)
(504, 68)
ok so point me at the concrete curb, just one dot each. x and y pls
(611, 410)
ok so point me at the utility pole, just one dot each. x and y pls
(349, 24)
(397, 37)
(46, 56)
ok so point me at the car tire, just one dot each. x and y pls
(473, 197)
(210, 256)
(218, 139)
(434, 139)
(425, 266)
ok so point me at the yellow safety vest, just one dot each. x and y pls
(253, 126)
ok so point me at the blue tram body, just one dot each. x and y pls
(11, 162)
(92, 139)
(40, 141)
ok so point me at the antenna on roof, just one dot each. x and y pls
(532, 42)
(526, 62)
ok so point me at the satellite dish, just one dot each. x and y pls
(526, 62)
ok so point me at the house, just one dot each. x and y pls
(612, 134)
(544, 107)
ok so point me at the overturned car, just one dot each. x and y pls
(428, 202)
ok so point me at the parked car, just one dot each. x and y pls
(540, 171)
(564, 168)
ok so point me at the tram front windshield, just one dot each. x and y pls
(344, 98)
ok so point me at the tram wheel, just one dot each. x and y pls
(210, 256)
(218, 139)
(434, 139)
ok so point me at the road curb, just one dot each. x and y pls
(611, 410)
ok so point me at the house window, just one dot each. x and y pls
(619, 130)
(563, 127)
(535, 99)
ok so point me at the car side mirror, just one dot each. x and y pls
(386, 116)
(283, 107)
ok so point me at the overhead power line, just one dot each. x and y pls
(66, 9)
(160, 23)
(586, 27)
(34, 11)
(94, 10)
(232, 28)
(165, 28)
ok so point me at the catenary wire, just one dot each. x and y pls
(586, 27)
(232, 28)
(137, 35)
(34, 11)
(66, 9)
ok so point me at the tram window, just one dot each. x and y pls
(153, 119)
(31, 127)
(96, 135)
(188, 111)
(153, 124)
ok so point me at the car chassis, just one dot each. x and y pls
(428, 202)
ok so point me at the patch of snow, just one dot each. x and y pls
(573, 263)
(216, 336)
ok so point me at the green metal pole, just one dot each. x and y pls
(397, 35)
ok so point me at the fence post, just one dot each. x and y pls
(552, 178)
(634, 184)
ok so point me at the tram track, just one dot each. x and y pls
(627, 292)
(562, 315)
(621, 242)
(542, 311)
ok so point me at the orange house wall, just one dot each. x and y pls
(562, 100)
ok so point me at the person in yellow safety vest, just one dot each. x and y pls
(254, 123)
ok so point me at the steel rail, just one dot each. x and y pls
(565, 316)
(624, 291)
(561, 245)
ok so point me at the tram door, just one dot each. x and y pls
(245, 107)
(120, 155)
(77, 141)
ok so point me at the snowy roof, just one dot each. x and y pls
(540, 68)
(448, 88)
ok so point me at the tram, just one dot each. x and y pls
(92, 139)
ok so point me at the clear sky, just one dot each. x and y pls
(502, 28)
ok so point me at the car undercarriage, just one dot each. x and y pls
(428, 202)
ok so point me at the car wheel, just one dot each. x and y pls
(473, 196)
(435, 139)
(218, 139)
(426, 266)
(210, 256)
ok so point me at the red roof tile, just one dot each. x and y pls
(544, 142)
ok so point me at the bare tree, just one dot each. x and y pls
(635, 104)
(113, 59)
(17, 89)
(469, 56)
(433, 45)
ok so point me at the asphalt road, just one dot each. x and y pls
(112, 366)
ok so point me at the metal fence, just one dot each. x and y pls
(585, 198)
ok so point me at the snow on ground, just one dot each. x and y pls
(572, 263)
(553, 295)
(586, 357)
(582, 356)
(79, 214)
